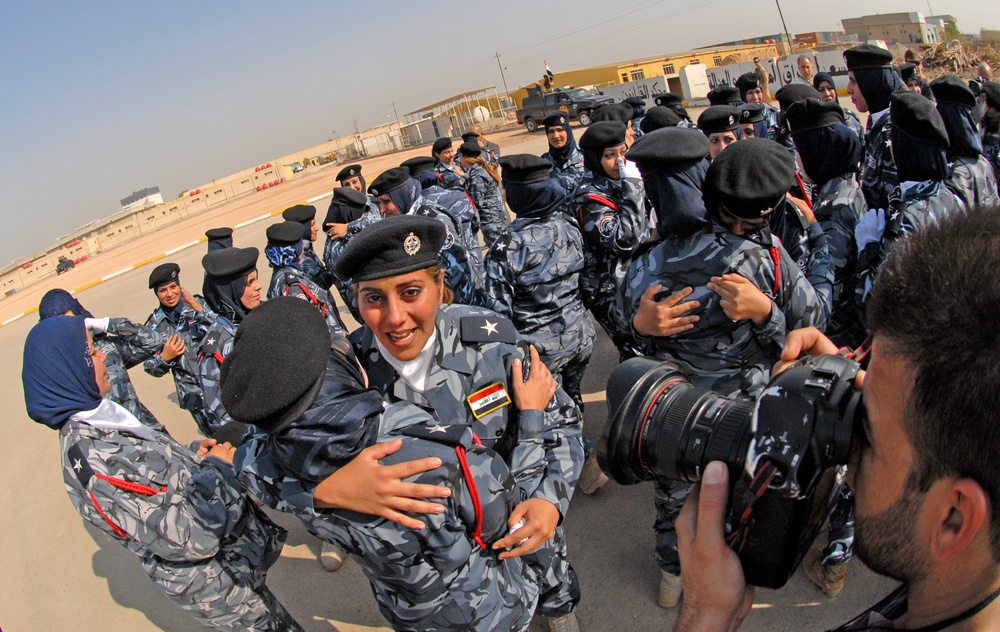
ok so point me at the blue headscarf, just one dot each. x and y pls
(877, 86)
(58, 371)
(963, 130)
(57, 302)
(427, 179)
(405, 196)
(676, 194)
(535, 199)
(225, 296)
(284, 255)
(828, 152)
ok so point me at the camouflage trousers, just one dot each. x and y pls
(669, 497)
(558, 585)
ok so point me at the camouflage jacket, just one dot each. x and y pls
(533, 278)
(335, 247)
(287, 281)
(919, 204)
(188, 520)
(838, 206)
(312, 265)
(852, 120)
(459, 273)
(570, 172)
(734, 358)
(192, 327)
(771, 118)
(472, 366)
(974, 182)
(215, 346)
(879, 181)
(460, 207)
(991, 149)
(127, 344)
(486, 195)
(441, 577)
(450, 176)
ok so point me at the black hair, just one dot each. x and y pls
(953, 352)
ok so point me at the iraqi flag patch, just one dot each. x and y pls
(486, 400)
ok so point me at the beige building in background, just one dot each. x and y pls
(902, 28)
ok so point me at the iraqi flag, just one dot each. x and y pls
(548, 70)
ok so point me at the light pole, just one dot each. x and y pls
(788, 38)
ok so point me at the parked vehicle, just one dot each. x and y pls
(576, 103)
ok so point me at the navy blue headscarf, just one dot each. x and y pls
(877, 85)
(427, 179)
(225, 296)
(963, 130)
(828, 152)
(676, 194)
(536, 199)
(917, 160)
(561, 155)
(405, 196)
(58, 371)
(57, 302)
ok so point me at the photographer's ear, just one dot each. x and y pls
(961, 514)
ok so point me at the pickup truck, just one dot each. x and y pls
(576, 103)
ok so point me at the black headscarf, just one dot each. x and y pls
(676, 194)
(535, 199)
(917, 160)
(877, 85)
(828, 152)
(224, 295)
(963, 130)
(561, 155)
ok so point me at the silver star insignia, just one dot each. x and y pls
(500, 246)
(489, 328)
(77, 465)
(210, 341)
(439, 428)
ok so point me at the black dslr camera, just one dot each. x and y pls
(786, 451)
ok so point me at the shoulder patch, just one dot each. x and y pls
(438, 433)
(79, 465)
(500, 246)
(494, 328)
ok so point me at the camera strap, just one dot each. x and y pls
(745, 496)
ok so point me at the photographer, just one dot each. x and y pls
(927, 489)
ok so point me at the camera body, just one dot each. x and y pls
(786, 451)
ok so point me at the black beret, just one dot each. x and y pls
(300, 213)
(635, 101)
(556, 119)
(908, 72)
(867, 56)
(418, 164)
(951, 89)
(613, 112)
(441, 144)
(163, 274)
(470, 149)
(658, 117)
(232, 262)
(348, 172)
(667, 147)
(349, 197)
(603, 134)
(219, 233)
(992, 91)
(470, 136)
(748, 81)
(751, 113)
(811, 113)
(751, 180)
(285, 233)
(723, 95)
(916, 115)
(719, 118)
(793, 92)
(626, 111)
(392, 246)
(525, 168)
(258, 386)
(667, 98)
(389, 181)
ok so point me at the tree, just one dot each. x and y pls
(951, 32)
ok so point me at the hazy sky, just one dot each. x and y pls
(100, 99)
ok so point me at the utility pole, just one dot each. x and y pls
(396, 115)
(506, 91)
(788, 38)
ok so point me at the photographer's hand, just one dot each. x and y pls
(809, 341)
(716, 596)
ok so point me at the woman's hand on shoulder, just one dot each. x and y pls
(540, 387)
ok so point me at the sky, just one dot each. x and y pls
(100, 99)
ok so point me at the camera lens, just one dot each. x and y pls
(662, 426)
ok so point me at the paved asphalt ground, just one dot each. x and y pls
(60, 574)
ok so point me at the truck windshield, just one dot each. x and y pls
(581, 93)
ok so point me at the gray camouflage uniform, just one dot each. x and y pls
(192, 327)
(459, 205)
(852, 120)
(570, 173)
(127, 344)
(474, 351)
(973, 181)
(287, 281)
(533, 278)
(485, 192)
(215, 346)
(879, 180)
(449, 176)
(459, 273)
(312, 265)
(614, 223)
(188, 520)
(991, 149)
(335, 247)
